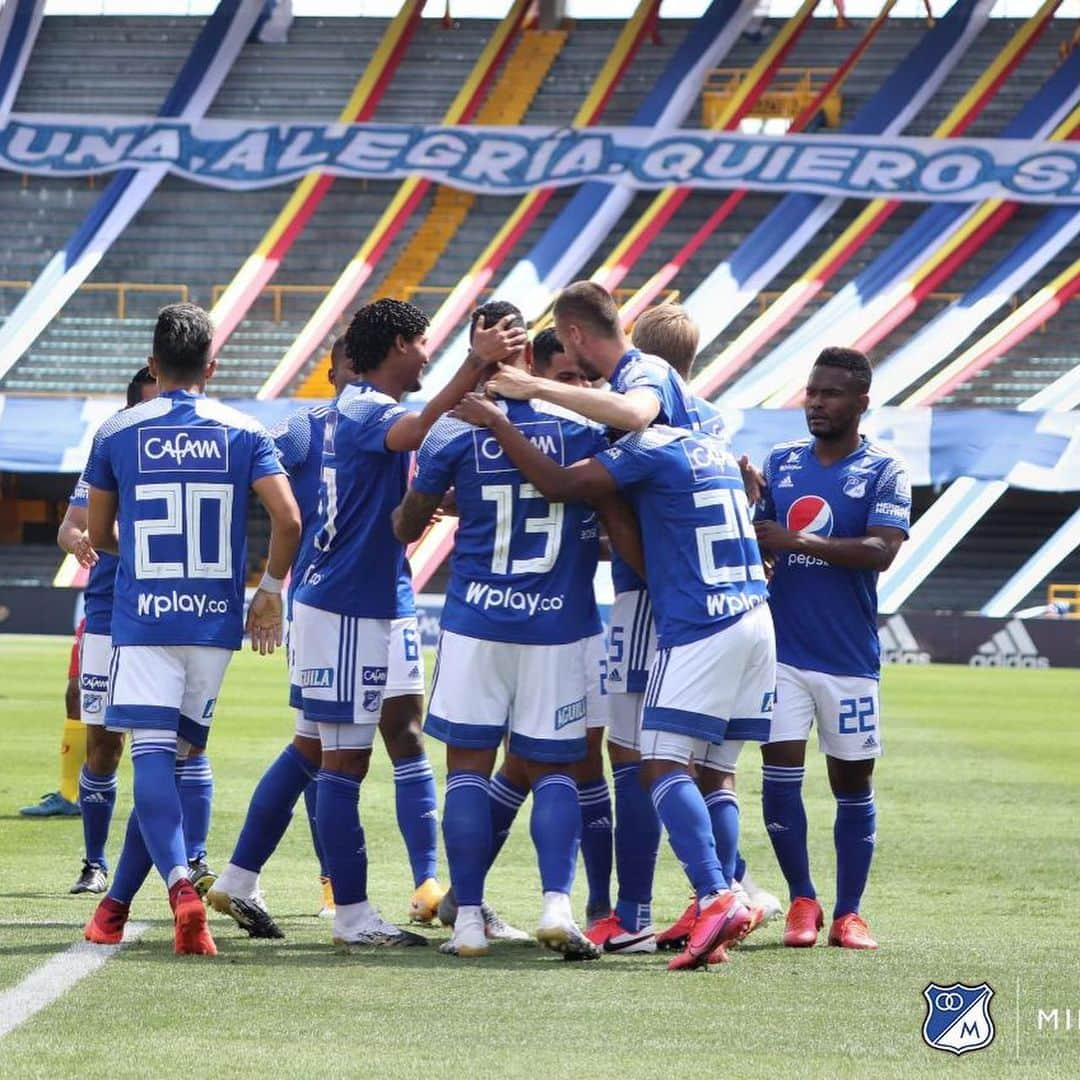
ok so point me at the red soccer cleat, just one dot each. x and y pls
(610, 934)
(804, 920)
(106, 925)
(191, 935)
(851, 932)
(757, 917)
(675, 936)
(724, 920)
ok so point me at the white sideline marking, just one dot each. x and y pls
(56, 977)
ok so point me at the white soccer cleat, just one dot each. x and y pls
(497, 928)
(758, 897)
(470, 934)
(559, 932)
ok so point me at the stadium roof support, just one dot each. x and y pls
(789, 228)
(596, 206)
(454, 307)
(652, 288)
(264, 261)
(211, 58)
(401, 207)
(1051, 554)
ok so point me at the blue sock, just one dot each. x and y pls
(740, 866)
(414, 790)
(342, 835)
(311, 801)
(467, 833)
(854, 834)
(158, 803)
(556, 830)
(785, 822)
(270, 809)
(196, 781)
(97, 797)
(723, 808)
(596, 845)
(682, 810)
(637, 844)
(506, 800)
(134, 863)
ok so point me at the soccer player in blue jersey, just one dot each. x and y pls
(667, 331)
(97, 778)
(173, 475)
(715, 664)
(643, 390)
(514, 649)
(300, 443)
(345, 604)
(835, 513)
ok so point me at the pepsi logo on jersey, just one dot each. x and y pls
(169, 449)
(810, 513)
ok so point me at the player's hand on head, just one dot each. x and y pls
(477, 409)
(753, 480)
(265, 622)
(84, 552)
(509, 382)
(499, 342)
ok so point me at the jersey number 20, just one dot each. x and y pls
(184, 508)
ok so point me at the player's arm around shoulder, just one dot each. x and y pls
(633, 410)
(584, 481)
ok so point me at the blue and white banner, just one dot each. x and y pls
(507, 160)
(1035, 450)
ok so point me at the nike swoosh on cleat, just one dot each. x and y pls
(614, 947)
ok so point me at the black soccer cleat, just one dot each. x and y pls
(93, 878)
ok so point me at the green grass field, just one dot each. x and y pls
(977, 852)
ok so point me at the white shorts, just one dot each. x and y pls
(845, 707)
(631, 643)
(667, 746)
(405, 669)
(95, 659)
(537, 693)
(342, 663)
(597, 702)
(721, 687)
(173, 687)
(406, 674)
(624, 724)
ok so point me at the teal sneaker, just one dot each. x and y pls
(52, 805)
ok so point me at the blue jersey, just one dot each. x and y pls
(98, 594)
(181, 466)
(522, 568)
(702, 560)
(826, 616)
(678, 408)
(299, 442)
(710, 418)
(357, 562)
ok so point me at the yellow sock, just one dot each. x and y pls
(72, 756)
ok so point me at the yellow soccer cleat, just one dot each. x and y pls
(424, 905)
(328, 907)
